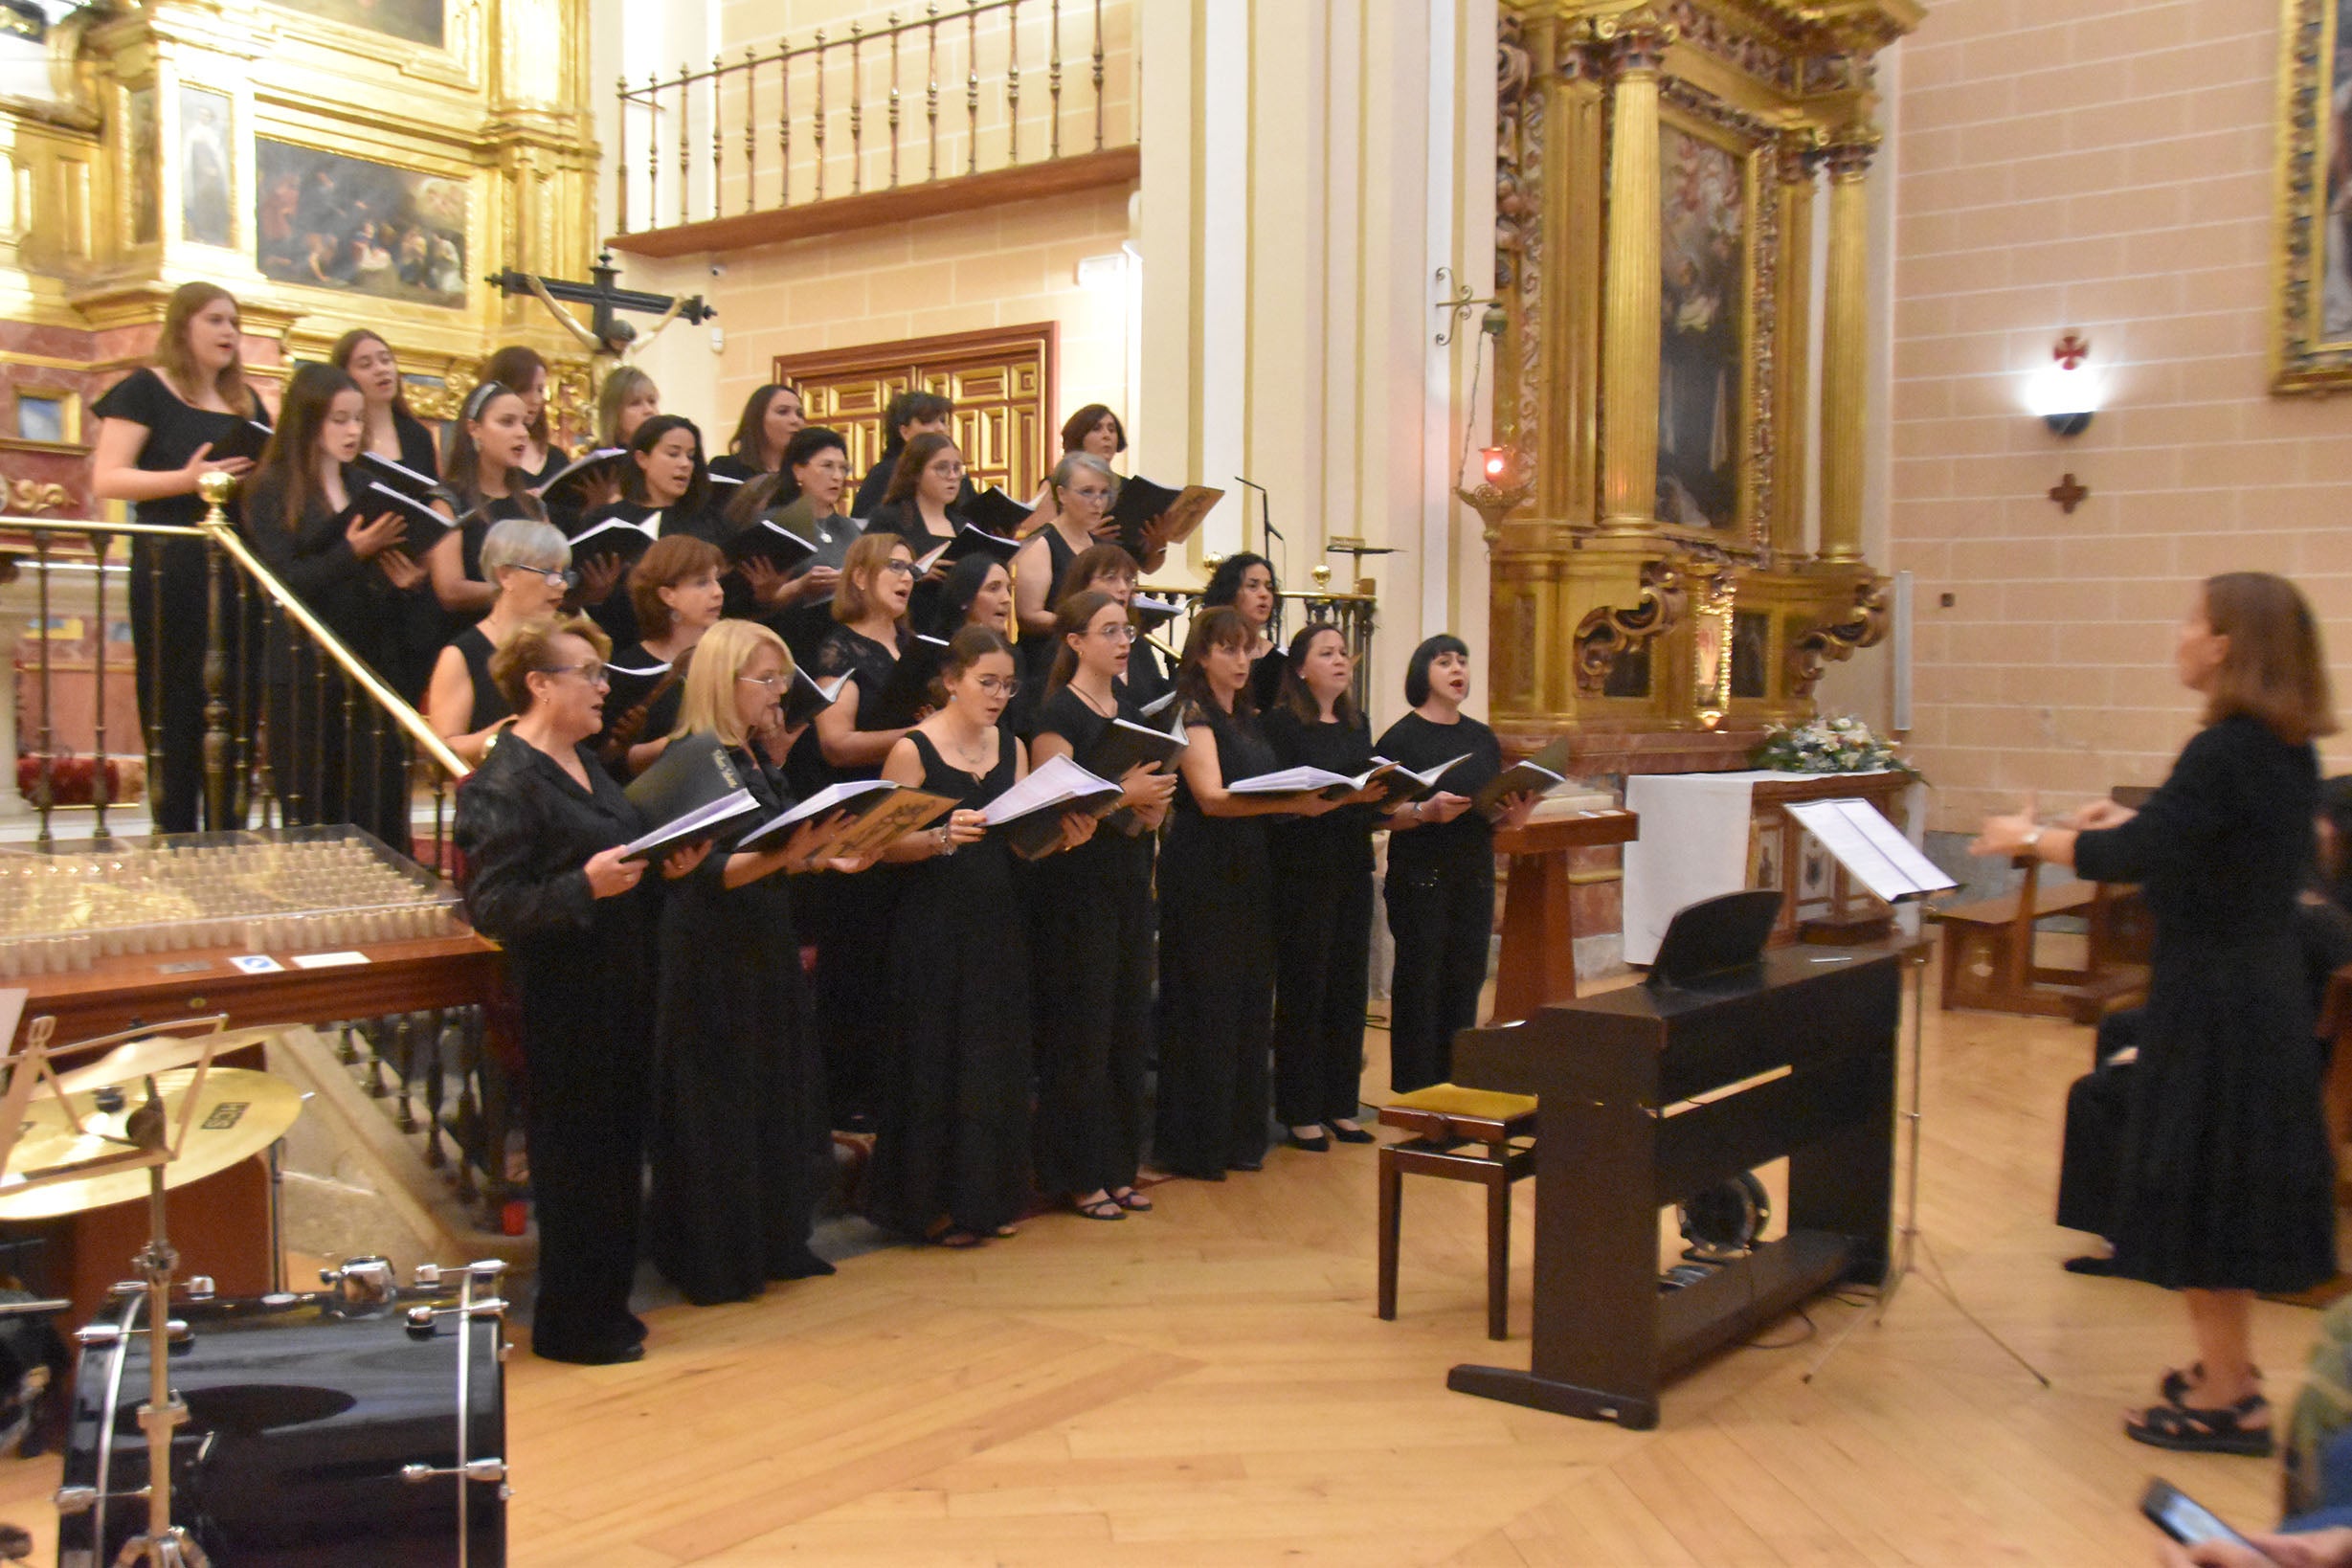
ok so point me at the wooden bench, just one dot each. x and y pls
(1989, 950)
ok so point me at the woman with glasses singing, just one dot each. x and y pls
(1091, 911)
(529, 563)
(919, 507)
(803, 497)
(740, 1151)
(541, 826)
(952, 1158)
(1082, 487)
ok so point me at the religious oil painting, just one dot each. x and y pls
(2313, 351)
(1702, 311)
(206, 202)
(419, 21)
(146, 148)
(328, 222)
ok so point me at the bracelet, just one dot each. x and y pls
(945, 847)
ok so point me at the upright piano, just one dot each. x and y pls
(1649, 1095)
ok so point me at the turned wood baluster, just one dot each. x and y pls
(653, 148)
(784, 119)
(1053, 82)
(931, 94)
(717, 151)
(751, 141)
(1098, 76)
(894, 101)
(99, 544)
(685, 176)
(820, 114)
(429, 1071)
(972, 86)
(621, 161)
(1011, 83)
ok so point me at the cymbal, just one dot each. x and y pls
(240, 1113)
(133, 1059)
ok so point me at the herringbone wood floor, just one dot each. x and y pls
(1207, 1385)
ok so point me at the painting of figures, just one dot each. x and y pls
(328, 222)
(205, 202)
(1702, 311)
(419, 21)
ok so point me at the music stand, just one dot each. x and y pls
(1719, 938)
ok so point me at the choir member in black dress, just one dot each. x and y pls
(626, 400)
(1107, 569)
(1322, 944)
(157, 428)
(541, 827)
(851, 919)
(771, 416)
(2231, 1182)
(1246, 582)
(909, 413)
(919, 506)
(664, 491)
(394, 432)
(527, 559)
(977, 592)
(805, 497)
(740, 1146)
(952, 1158)
(522, 369)
(1097, 431)
(345, 564)
(674, 589)
(1440, 890)
(487, 483)
(1216, 918)
(1083, 488)
(1092, 916)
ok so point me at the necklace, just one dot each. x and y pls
(1087, 697)
(974, 762)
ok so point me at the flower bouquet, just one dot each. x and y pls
(1829, 745)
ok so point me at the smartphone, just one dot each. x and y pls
(2183, 1518)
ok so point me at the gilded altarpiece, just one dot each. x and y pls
(1661, 593)
(251, 145)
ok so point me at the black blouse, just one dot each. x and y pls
(356, 600)
(528, 830)
(1337, 841)
(416, 447)
(1466, 843)
(868, 665)
(742, 470)
(175, 429)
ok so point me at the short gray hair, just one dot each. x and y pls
(1071, 462)
(524, 542)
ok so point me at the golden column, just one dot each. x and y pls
(1844, 356)
(1632, 46)
(1792, 368)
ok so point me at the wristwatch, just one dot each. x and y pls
(2032, 838)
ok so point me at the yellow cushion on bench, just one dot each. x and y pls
(1453, 1100)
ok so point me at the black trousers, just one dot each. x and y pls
(1322, 951)
(2097, 1110)
(1442, 922)
(170, 634)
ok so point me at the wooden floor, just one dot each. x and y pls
(1207, 1385)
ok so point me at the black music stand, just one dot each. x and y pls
(1720, 939)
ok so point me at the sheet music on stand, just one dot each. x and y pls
(1871, 849)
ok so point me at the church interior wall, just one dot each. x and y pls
(2106, 168)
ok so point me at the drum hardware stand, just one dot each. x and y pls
(468, 1471)
(1911, 1243)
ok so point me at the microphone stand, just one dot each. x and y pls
(1265, 522)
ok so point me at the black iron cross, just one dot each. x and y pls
(605, 331)
(2069, 494)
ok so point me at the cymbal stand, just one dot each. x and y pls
(1911, 1244)
(164, 1544)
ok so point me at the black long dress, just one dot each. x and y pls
(1092, 977)
(1033, 652)
(739, 1146)
(1439, 892)
(1217, 970)
(329, 765)
(2229, 1182)
(169, 629)
(423, 628)
(954, 1137)
(1323, 943)
(582, 970)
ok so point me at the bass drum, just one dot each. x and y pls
(304, 1412)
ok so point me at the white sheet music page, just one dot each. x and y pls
(1871, 849)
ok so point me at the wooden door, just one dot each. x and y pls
(1002, 382)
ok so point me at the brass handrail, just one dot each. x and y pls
(354, 668)
(94, 525)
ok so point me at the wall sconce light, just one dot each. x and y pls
(2065, 393)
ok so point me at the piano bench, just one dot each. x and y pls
(1446, 1120)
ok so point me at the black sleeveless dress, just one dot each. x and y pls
(954, 1139)
(1033, 654)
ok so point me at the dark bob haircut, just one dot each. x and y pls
(1417, 667)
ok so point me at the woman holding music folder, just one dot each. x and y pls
(524, 368)
(2230, 1185)
(1091, 912)
(1082, 487)
(1217, 916)
(740, 1146)
(487, 483)
(543, 829)
(918, 508)
(952, 1158)
(341, 558)
(396, 435)
(978, 591)
(664, 491)
(1440, 890)
(675, 590)
(804, 499)
(1107, 569)
(771, 416)
(529, 562)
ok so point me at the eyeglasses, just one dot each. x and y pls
(592, 672)
(997, 686)
(1119, 632)
(902, 568)
(952, 470)
(554, 579)
(771, 682)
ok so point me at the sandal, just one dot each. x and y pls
(2185, 1429)
(1100, 1208)
(1005, 1232)
(958, 1240)
(2176, 1385)
(1131, 1201)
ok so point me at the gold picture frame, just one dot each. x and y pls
(2312, 341)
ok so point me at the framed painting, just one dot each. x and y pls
(144, 146)
(323, 220)
(207, 204)
(2311, 349)
(419, 21)
(1704, 296)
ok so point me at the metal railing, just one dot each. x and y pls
(298, 732)
(792, 96)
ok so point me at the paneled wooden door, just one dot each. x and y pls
(1002, 382)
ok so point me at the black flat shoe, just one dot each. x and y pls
(611, 1356)
(1316, 1145)
(2185, 1429)
(1349, 1135)
(1247, 1165)
(2093, 1264)
(803, 1265)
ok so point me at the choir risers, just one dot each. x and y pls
(1618, 1138)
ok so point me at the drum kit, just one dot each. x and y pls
(362, 1423)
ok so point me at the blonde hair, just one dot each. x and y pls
(178, 361)
(707, 704)
(620, 386)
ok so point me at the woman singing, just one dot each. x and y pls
(1107, 569)
(1091, 911)
(2230, 1185)
(394, 432)
(741, 1153)
(487, 448)
(1246, 582)
(522, 369)
(1083, 487)
(664, 492)
(541, 827)
(1217, 917)
(924, 485)
(626, 400)
(977, 592)
(675, 590)
(157, 429)
(808, 491)
(771, 416)
(345, 564)
(1441, 867)
(465, 704)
